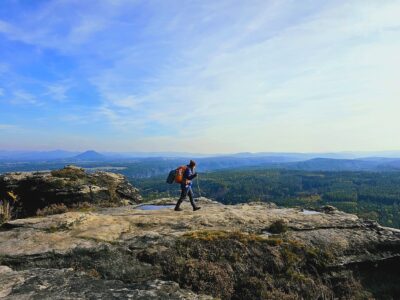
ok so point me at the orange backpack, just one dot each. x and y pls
(179, 174)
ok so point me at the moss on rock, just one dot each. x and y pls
(236, 265)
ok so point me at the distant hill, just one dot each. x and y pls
(152, 166)
(36, 155)
(328, 164)
(90, 155)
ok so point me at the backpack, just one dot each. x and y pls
(176, 175)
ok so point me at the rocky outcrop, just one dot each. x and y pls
(68, 187)
(68, 284)
(220, 251)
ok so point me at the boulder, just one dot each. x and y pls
(328, 209)
(70, 186)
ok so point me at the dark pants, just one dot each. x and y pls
(186, 192)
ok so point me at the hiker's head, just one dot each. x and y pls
(192, 164)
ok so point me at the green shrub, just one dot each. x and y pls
(212, 235)
(72, 173)
(52, 209)
(278, 226)
(82, 206)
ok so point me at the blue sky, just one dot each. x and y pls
(200, 76)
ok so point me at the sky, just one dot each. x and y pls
(200, 76)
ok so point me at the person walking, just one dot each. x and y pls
(186, 186)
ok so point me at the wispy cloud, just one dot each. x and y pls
(280, 75)
(23, 98)
(7, 126)
(57, 91)
(68, 26)
(294, 69)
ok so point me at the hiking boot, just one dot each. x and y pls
(178, 209)
(196, 208)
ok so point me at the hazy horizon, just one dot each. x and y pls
(344, 154)
(201, 76)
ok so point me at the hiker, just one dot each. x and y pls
(186, 186)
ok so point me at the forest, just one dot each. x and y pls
(370, 195)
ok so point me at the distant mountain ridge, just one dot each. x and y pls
(156, 165)
(90, 155)
(277, 156)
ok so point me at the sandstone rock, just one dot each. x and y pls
(8, 279)
(220, 251)
(66, 284)
(69, 186)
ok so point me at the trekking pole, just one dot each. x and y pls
(198, 185)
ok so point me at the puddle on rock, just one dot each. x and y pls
(154, 207)
(310, 212)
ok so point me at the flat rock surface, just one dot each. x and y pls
(81, 229)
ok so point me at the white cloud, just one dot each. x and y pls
(57, 91)
(321, 68)
(70, 27)
(23, 97)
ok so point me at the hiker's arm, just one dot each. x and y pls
(191, 176)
